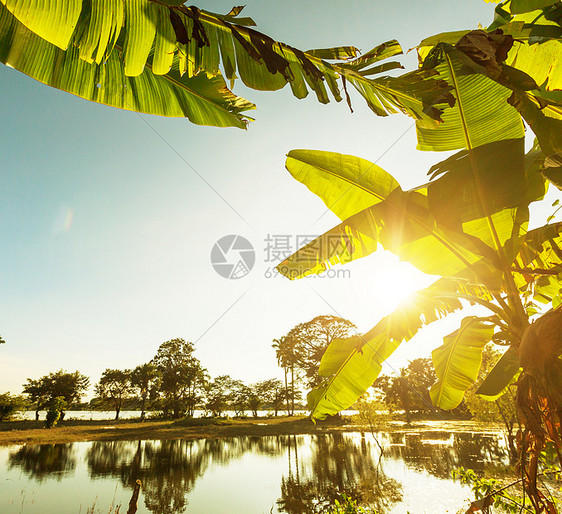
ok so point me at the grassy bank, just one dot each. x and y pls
(32, 432)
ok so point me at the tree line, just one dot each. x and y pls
(174, 383)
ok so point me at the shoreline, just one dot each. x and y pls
(70, 431)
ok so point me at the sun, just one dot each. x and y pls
(386, 281)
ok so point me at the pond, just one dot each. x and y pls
(299, 474)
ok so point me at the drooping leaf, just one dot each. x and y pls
(203, 101)
(379, 53)
(457, 362)
(539, 262)
(335, 53)
(552, 169)
(548, 130)
(97, 37)
(153, 34)
(355, 363)
(500, 376)
(419, 94)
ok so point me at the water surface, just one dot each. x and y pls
(292, 474)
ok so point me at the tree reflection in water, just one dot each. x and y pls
(438, 453)
(319, 468)
(168, 469)
(336, 465)
(42, 461)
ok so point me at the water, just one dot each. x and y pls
(293, 474)
(97, 415)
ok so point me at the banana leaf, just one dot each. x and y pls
(500, 376)
(161, 38)
(346, 184)
(429, 227)
(458, 360)
(481, 114)
(204, 101)
(539, 262)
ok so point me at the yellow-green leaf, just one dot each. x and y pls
(457, 362)
(481, 113)
(346, 184)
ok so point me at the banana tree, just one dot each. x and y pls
(468, 224)
(162, 57)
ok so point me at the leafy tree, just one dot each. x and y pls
(240, 397)
(143, 380)
(2, 340)
(311, 339)
(300, 351)
(220, 394)
(270, 393)
(410, 389)
(43, 391)
(114, 388)
(285, 351)
(55, 410)
(462, 226)
(37, 393)
(181, 377)
(10, 404)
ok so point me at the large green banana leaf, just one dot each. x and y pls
(346, 184)
(402, 224)
(160, 38)
(205, 101)
(353, 364)
(481, 113)
(457, 362)
(423, 226)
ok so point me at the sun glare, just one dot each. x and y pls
(394, 281)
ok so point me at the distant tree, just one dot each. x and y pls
(43, 391)
(143, 381)
(239, 400)
(55, 411)
(256, 399)
(181, 377)
(285, 351)
(410, 389)
(220, 393)
(114, 388)
(10, 404)
(305, 344)
(271, 393)
(2, 340)
(38, 394)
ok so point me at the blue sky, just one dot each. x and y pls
(107, 232)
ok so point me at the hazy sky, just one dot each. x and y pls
(107, 226)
